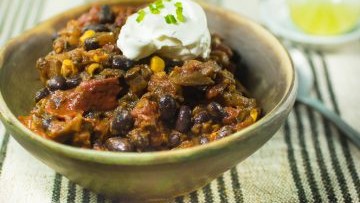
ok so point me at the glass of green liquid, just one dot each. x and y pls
(325, 17)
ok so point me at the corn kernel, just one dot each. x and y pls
(157, 64)
(99, 57)
(68, 68)
(86, 35)
(96, 58)
(68, 62)
(91, 69)
(254, 114)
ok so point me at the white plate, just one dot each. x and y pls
(275, 15)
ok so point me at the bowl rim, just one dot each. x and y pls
(149, 158)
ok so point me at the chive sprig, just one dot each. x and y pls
(157, 6)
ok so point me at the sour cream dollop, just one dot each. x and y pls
(183, 40)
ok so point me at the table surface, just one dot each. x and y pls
(307, 160)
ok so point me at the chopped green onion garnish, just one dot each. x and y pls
(159, 4)
(153, 9)
(141, 16)
(180, 16)
(170, 19)
(179, 12)
(156, 7)
(167, 19)
(178, 5)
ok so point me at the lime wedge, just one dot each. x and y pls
(325, 18)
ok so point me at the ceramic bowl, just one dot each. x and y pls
(151, 176)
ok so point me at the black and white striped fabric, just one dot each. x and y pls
(308, 160)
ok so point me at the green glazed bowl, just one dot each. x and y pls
(151, 176)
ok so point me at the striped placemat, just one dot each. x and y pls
(307, 160)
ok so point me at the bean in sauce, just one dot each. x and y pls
(121, 62)
(91, 44)
(174, 139)
(96, 28)
(202, 117)
(121, 123)
(44, 92)
(73, 82)
(204, 140)
(167, 107)
(216, 110)
(119, 144)
(224, 131)
(57, 83)
(106, 15)
(183, 122)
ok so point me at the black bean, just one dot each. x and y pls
(204, 140)
(73, 82)
(121, 62)
(201, 88)
(167, 107)
(193, 94)
(56, 83)
(91, 44)
(202, 117)
(90, 114)
(170, 65)
(140, 139)
(183, 122)
(106, 15)
(174, 139)
(118, 144)
(46, 122)
(96, 28)
(173, 63)
(168, 69)
(216, 110)
(224, 131)
(44, 92)
(122, 123)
